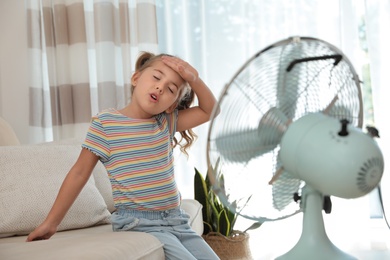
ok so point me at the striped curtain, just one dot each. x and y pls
(82, 55)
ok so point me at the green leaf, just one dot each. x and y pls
(231, 217)
(207, 228)
(254, 226)
(224, 223)
(201, 195)
(215, 209)
(212, 175)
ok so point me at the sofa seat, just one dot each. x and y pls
(98, 242)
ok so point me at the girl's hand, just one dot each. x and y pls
(184, 69)
(42, 232)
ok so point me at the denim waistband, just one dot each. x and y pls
(149, 214)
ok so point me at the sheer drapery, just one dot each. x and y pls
(82, 55)
(378, 42)
(218, 37)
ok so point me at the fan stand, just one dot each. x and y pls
(314, 242)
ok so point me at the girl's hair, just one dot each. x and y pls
(185, 99)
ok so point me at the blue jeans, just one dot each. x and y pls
(171, 227)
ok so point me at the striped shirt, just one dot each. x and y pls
(138, 156)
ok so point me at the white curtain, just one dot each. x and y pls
(217, 37)
(82, 54)
(378, 39)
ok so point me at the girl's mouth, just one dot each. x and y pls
(154, 97)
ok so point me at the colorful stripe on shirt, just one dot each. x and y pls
(138, 156)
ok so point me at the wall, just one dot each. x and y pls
(14, 104)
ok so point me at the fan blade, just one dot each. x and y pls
(247, 144)
(288, 82)
(331, 105)
(283, 190)
(252, 143)
(341, 112)
(284, 185)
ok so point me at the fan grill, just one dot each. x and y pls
(256, 107)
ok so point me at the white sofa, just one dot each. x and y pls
(30, 176)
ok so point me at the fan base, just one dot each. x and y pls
(314, 242)
(323, 251)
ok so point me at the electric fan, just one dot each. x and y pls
(289, 131)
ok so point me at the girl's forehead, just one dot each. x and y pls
(167, 71)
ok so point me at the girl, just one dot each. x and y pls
(135, 144)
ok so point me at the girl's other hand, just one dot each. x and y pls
(184, 69)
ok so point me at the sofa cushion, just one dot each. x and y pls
(31, 176)
(99, 173)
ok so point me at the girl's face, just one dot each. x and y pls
(156, 89)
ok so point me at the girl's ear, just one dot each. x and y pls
(171, 108)
(134, 78)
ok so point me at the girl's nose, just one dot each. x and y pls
(159, 89)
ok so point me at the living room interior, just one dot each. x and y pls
(217, 37)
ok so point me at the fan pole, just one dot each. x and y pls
(314, 242)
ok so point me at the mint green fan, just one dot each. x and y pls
(289, 137)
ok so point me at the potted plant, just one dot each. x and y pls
(219, 221)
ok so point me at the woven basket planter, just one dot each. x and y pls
(234, 247)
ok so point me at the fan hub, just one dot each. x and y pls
(347, 166)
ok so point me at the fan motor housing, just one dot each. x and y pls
(347, 166)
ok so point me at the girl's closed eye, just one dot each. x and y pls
(156, 77)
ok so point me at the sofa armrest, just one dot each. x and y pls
(7, 134)
(194, 209)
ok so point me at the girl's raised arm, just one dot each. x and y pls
(197, 115)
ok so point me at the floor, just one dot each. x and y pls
(368, 241)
